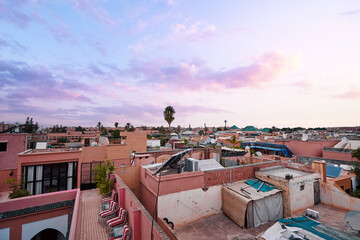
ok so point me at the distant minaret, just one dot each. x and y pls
(225, 124)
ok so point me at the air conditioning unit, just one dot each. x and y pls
(312, 214)
(191, 165)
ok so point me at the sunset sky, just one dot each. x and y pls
(262, 63)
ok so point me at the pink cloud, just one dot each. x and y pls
(194, 32)
(196, 75)
(352, 94)
(38, 82)
(10, 12)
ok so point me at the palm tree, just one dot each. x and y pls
(99, 125)
(116, 124)
(233, 141)
(169, 115)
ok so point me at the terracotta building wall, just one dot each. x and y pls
(16, 143)
(308, 148)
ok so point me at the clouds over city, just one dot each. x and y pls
(88, 61)
(197, 75)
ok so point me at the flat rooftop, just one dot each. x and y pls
(50, 150)
(283, 171)
(333, 217)
(216, 227)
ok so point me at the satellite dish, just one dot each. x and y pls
(344, 139)
(304, 137)
(266, 137)
(284, 135)
(94, 144)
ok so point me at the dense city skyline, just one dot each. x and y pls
(268, 63)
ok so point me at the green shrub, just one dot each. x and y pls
(102, 178)
(18, 189)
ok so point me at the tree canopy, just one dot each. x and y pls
(129, 127)
(169, 114)
(29, 126)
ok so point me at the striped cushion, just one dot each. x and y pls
(125, 234)
(111, 210)
(120, 219)
(108, 199)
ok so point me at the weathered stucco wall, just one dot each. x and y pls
(335, 196)
(302, 192)
(187, 206)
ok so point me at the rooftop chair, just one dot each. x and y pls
(118, 221)
(109, 213)
(120, 233)
(113, 197)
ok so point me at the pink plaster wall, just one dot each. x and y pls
(308, 148)
(15, 224)
(47, 158)
(5, 175)
(172, 183)
(139, 219)
(36, 200)
(75, 229)
(16, 143)
(345, 156)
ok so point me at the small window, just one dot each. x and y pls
(342, 187)
(302, 187)
(3, 147)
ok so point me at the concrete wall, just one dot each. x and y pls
(187, 206)
(309, 160)
(308, 148)
(333, 195)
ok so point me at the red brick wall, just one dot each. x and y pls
(237, 173)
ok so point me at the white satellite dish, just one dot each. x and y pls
(344, 139)
(284, 135)
(266, 137)
(304, 137)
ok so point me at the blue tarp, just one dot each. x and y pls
(332, 171)
(256, 184)
(304, 223)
